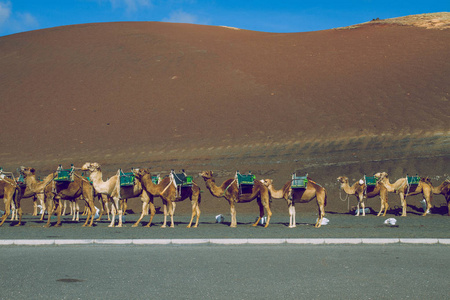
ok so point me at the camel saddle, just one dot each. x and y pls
(126, 179)
(412, 180)
(64, 175)
(370, 181)
(245, 182)
(4, 174)
(156, 179)
(299, 182)
(181, 179)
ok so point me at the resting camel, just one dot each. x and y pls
(359, 190)
(112, 189)
(442, 189)
(401, 187)
(10, 192)
(313, 190)
(230, 191)
(167, 190)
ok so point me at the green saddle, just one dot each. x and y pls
(412, 180)
(155, 179)
(64, 175)
(299, 182)
(181, 179)
(126, 179)
(245, 179)
(370, 180)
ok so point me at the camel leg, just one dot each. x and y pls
(34, 206)
(403, 200)
(321, 207)
(195, 211)
(58, 213)
(152, 213)
(197, 208)
(77, 210)
(363, 206)
(65, 206)
(428, 200)
(121, 214)
(233, 214)
(49, 211)
(18, 209)
(261, 212)
(114, 209)
(7, 210)
(90, 213)
(144, 208)
(165, 214)
(172, 206)
(292, 223)
(269, 213)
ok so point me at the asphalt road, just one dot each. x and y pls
(339, 226)
(225, 272)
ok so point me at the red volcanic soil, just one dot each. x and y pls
(348, 101)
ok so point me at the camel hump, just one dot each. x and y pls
(413, 180)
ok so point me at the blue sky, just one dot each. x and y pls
(270, 16)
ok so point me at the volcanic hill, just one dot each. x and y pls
(347, 101)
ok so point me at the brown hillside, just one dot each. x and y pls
(189, 96)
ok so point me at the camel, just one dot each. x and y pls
(10, 192)
(401, 187)
(442, 189)
(230, 191)
(112, 189)
(312, 191)
(55, 192)
(360, 191)
(167, 190)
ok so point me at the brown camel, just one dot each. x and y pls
(404, 190)
(167, 190)
(41, 189)
(442, 189)
(230, 191)
(112, 189)
(361, 192)
(312, 191)
(10, 192)
(55, 192)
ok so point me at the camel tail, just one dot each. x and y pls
(325, 198)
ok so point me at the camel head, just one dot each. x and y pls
(381, 176)
(27, 171)
(91, 167)
(267, 182)
(342, 179)
(139, 173)
(207, 175)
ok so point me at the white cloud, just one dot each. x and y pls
(180, 16)
(131, 6)
(11, 21)
(5, 11)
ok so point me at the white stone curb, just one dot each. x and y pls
(305, 241)
(151, 242)
(190, 241)
(73, 242)
(380, 241)
(228, 241)
(114, 242)
(419, 241)
(289, 241)
(343, 241)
